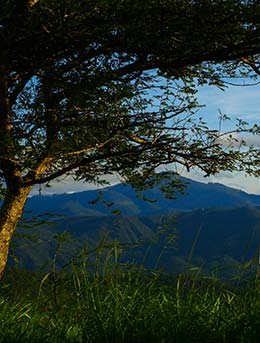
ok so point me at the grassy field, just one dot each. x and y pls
(121, 304)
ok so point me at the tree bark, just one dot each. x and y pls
(10, 214)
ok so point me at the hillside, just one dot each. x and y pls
(206, 238)
(210, 225)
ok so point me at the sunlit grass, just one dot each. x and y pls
(116, 303)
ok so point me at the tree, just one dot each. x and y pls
(93, 87)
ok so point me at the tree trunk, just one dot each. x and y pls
(10, 214)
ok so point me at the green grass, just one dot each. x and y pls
(116, 303)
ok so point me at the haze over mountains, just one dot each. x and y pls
(210, 226)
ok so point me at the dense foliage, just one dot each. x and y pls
(91, 88)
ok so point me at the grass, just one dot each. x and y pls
(117, 303)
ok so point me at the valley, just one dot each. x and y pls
(211, 228)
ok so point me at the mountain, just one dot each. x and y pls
(124, 198)
(203, 238)
(210, 226)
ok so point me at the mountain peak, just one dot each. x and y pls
(124, 198)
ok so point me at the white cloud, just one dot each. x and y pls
(236, 139)
(236, 180)
(68, 185)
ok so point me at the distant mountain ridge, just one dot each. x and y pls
(124, 198)
(212, 225)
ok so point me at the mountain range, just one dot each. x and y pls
(211, 228)
(125, 199)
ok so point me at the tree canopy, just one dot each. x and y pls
(93, 87)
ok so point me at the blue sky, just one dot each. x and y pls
(236, 102)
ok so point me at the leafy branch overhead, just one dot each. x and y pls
(105, 86)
